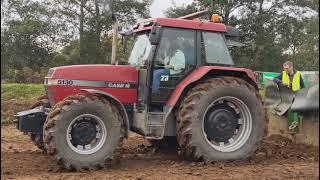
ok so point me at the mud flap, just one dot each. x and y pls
(278, 98)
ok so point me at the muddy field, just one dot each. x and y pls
(278, 158)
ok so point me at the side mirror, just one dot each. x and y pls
(155, 34)
(232, 33)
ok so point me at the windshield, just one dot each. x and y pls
(140, 51)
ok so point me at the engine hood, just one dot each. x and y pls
(96, 72)
(118, 81)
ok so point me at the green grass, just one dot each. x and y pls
(21, 91)
(17, 97)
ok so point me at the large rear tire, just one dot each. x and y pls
(37, 139)
(83, 132)
(221, 119)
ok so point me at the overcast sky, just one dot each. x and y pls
(158, 6)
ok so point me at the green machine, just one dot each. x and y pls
(262, 77)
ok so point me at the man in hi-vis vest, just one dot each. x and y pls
(290, 77)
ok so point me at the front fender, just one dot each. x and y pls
(116, 102)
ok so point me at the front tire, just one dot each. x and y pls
(83, 132)
(221, 119)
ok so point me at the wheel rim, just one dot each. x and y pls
(86, 134)
(227, 124)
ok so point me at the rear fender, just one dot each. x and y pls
(209, 71)
(114, 101)
(197, 76)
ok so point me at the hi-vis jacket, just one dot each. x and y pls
(296, 83)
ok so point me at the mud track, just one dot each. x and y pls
(278, 158)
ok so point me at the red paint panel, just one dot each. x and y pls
(182, 23)
(125, 96)
(110, 73)
(198, 74)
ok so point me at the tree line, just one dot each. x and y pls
(273, 30)
(39, 34)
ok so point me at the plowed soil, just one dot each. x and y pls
(278, 158)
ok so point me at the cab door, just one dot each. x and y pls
(176, 48)
(139, 58)
(144, 72)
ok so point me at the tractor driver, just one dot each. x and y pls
(173, 60)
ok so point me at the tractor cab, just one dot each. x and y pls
(167, 50)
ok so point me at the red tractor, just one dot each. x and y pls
(179, 84)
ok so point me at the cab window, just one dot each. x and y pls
(215, 50)
(140, 51)
(176, 48)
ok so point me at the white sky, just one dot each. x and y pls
(158, 6)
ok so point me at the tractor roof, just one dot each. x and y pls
(179, 23)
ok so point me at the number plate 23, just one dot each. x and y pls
(164, 78)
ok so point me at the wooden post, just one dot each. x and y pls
(114, 42)
(81, 19)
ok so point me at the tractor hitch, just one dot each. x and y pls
(31, 121)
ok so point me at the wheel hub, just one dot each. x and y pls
(83, 133)
(220, 123)
(86, 134)
(227, 124)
